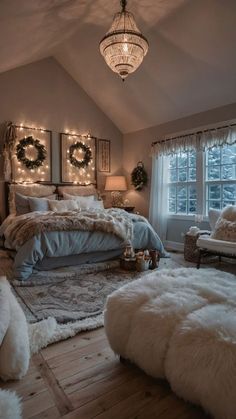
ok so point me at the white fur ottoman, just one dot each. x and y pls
(181, 325)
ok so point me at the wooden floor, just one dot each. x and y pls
(81, 378)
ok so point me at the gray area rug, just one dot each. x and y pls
(77, 293)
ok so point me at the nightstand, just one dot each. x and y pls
(128, 209)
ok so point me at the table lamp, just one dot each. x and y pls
(116, 184)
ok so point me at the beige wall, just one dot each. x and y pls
(137, 145)
(43, 94)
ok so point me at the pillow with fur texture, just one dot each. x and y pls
(64, 205)
(78, 190)
(225, 228)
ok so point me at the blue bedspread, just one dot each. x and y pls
(63, 243)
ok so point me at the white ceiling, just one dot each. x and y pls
(190, 67)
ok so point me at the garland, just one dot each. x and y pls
(139, 177)
(21, 149)
(87, 155)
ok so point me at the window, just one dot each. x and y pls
(220, 175)
(182, 192)
(192, 189)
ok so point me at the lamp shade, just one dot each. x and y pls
(116, 183)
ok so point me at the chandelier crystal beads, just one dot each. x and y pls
(123, 47)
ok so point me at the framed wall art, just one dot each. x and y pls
(78, 159)
(104, 158)
(32, 156)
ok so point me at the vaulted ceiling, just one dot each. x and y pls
(190, 66)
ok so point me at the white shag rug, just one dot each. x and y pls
(181, 325)
(10, 405)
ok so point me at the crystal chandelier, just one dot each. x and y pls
(123, 47)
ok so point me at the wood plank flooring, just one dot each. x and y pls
(81, 378)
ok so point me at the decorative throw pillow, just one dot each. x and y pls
(22, 204)
(32, 189)
(97, 205)
(65, 205)
(225, 228)
(84, 202)
(40, 204)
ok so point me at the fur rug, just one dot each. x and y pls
(181, 325)
(10, 406)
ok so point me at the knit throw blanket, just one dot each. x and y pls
(115, 221)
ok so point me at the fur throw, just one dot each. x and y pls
(180, 325)
(225, 228)
(114, 221)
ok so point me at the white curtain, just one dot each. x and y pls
(158, 199)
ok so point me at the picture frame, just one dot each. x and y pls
(104, 155)
(78, 155)
(39, 149)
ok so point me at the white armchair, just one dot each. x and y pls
(208, 245)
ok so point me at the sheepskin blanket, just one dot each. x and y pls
(10, 405)
(116, 221)
(181, 325)
(225, 228)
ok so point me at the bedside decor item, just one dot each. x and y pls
(116, 184)
(139, 177)
(31, 156)
(123, 47)
(104, 159)
(78, 159)
(22, 151)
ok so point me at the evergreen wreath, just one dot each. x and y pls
(139, 177)
(21, 149)
(87, 155)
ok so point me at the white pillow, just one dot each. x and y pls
(97, 205)
(213, 215)
(60, 206)
(84, 202)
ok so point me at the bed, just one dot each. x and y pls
(49, 238)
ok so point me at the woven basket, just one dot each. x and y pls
(191, 251)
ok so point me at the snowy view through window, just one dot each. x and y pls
(211, 182)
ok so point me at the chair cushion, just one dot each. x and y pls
(221, 246)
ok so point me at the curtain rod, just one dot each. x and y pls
(192, 133)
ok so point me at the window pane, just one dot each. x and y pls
(214, 192)
(182, 206)
(213, 156)
(214, 204)
(214, 173)
(172, 205)
(182, 175)
(172, 192)
(182, 160)
(228, 172)
(172, 162)
(229, 154)
(192, 192)
(229, 193)
(192, 159)
(192, 173)
(182, 192)
(173, 176)
(192, 206)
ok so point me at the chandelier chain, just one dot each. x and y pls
(123, 5)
